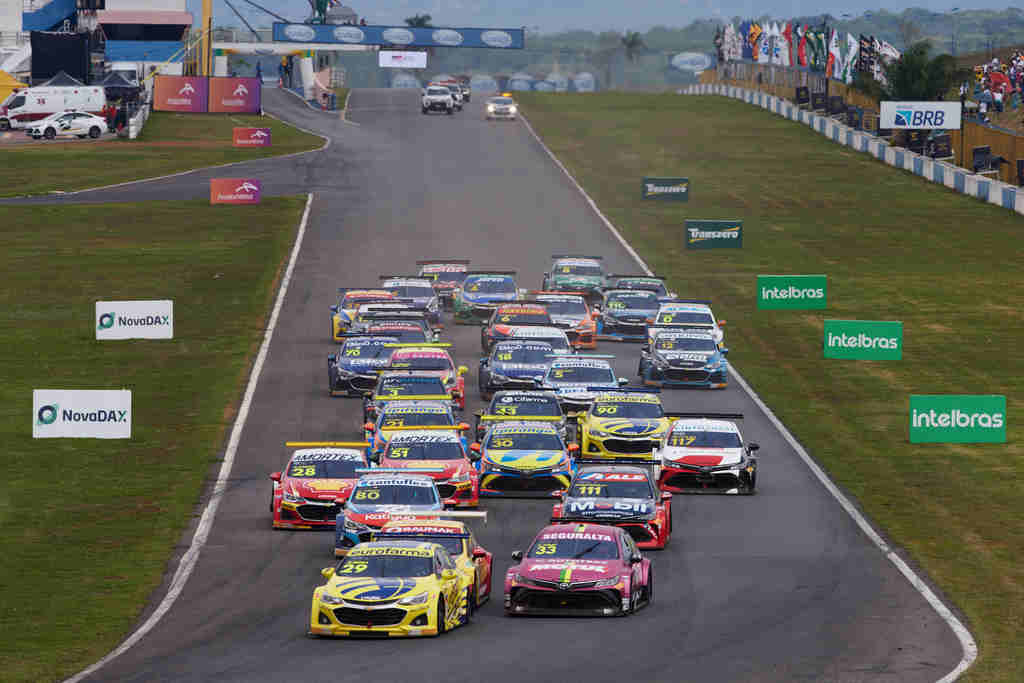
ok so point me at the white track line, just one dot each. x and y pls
(967, 642)
(202, 532)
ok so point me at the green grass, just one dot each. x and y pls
(894, 248)
(89, 524)
(169, 143)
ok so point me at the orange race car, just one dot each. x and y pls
(570, 312)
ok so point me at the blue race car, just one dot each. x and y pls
(684, 358)
(378, 494)
(625, 314)
(481, 292)
(525, 458)
(513, 364)
(353, 369)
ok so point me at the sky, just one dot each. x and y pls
(544, 16)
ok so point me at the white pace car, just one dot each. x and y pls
(501, 108)
(78, 123)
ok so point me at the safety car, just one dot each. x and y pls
(579, 569)
(684, 358)
(622, 424)
(523, 458)
(481, 292)
(513, 364)
(407, 414)
(432, 360)
(437, 98)
(517, 405)
(441, 449)
(307, 493)
(576, 380)
(706, 454)
(649, 283)
(693, 314)
(500, 107)
(403, 386)
(379, 495)
(445, 276)
(349, 300)
(572, 273)
(569, 312)
(625, 314)
(353, 369)
(417, 290)
(506, 317)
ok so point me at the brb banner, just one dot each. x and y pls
(235, 95)
(714, 234)
(135, 319)
(250, 137)
(180, 93)
(791, 291)
(235, 191)
(401, 36)
(955, 418)
(919, 115)
(864, 339)
(665, 188)
(102, 414)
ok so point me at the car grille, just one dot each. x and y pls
(681, 375)
(446, 490)
(513, 484)
(627, 326)
(369, 617)
(318, 513)
(630, 445)
(557, 599)
(482, 311)
(363, 383)
(639, 532)
(699, 480)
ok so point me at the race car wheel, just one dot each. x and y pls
(648, 594)
(441, 625)
(80, 137)
(451, 111)
(49, 133)
(5, 124)
(423, 109)
(470, 604)
(94, 132)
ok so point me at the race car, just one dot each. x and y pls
(553, 336)
(445, 276)
(576, 380)
(481, 292)
(407, 414)
(403, 386)
(513, 365)
(569, 273)
(621, 495)
(705, 453)
(432, 360)
(569, 312)
(692, 314)
(523, 458)
(419, 291)
(508, 316)
(390, 588)
(684, 358)
(622, 424)
(441, 449)
(648, 283)
(376, 315)
(625, 314)
(579, 569)
(307, 493)
(403, 332)
(380, 494)
(349, 300)
(353, 369)
(472, 561)
(518, 405)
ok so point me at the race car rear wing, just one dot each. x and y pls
(598, 518)
(437, 514)
(398, 313)
(574, 356)
(519, 418)
(414, 345)
(410, 397)
(345, 290)
(401, 277)
(491, 272)
(706, 302)
(710, 416)
(596, 258)
(637, 275)
(437, 428)
(443, 262)
(326, 444)
(399, 470)
(646, 462)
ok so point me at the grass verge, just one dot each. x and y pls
(169, 143)
(89, 522)
(894, 247)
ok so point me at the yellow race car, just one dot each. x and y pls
(390, 588)
(349, 301)
(622, 424)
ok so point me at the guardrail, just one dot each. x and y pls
(137, 121)
(952, 176)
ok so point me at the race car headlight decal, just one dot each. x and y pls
(713, 366)
(605, 583)
(354, 526)
(289, 498)
(499, 377)
(597, 433)
(490, 107)
(345, 374)
(432, 306)
(328, 599)
(461, 479)
(415, 599)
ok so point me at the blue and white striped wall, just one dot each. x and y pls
(953, 177)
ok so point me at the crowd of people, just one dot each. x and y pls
(998, 85)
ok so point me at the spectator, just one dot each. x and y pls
(259, 71)
(983, 111)
(362, 22)
(997, 100)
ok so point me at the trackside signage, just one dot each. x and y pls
(791, 291)
(714, 234)
(864, 339)
(953, 418)
(135, 319)
(919, 115)
(250, 137)
(93, 414)
(677, 189)
(235, 191)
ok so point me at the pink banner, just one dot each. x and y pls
(251, 137)
(235, 95)
(235, 191)
(180, 93)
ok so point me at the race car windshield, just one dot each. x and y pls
(575, 548)
(558, 343)
(410, 335)
(385, 566)
(357, 350)
(530, 408)
(421, 363)
(656, 286)
(438, 450)
(628, 410)
(446, 276)
(502, 100)
(517, 353)
(582, 374)
(453, 546)
(411, 386)
(705, 439)
(535, 441)
(392, 494)
(416, 420)
(490, 285)
(413, 291)
(643, 300)
(686, 344)
(685, 318)
(353, 300)
(640, 488)
(325, 469)
(566, 307)
(578, 269)
(522, 319)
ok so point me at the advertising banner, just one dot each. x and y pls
(401, 59)
(93, 414)
(714, 234)
(234, 95)
(818, 101)
(864, 339)
(665, 188)
(180, 93)
(134, 320)
(250, 137)
(794, 292)
(952, 418)
(401, 36)
(919, 115)
(235, 191)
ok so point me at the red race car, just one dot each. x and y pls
(579, 569)
(432, 360)
(306, 494)
(440, 450)
(507, 316)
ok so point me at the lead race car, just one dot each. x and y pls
(481, 292)
(318, 478)
(446, 275)
(684, 358)
(705, 453)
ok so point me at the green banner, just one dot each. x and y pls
(677, 189)
(952, 418)
(714, 234)
(791, 291)
(864, 339)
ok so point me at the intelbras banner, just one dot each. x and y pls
(401, 36)
(94, 414)
(953, 418)
(791, 291)
(919, 115)
(134, 320)
(864, 339)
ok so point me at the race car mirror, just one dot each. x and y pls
(557, 493)
(334, 309)
(475, 447)
(463, 426)
(517, 555)
(573, 447)
(327, 572)
(665, 495)
(721, 322)
(753, 447)
(340, 502)
(463, 369)
(368, 426)
(479, 553)
(636, 558)
(331, 358)
(623, 381)
(275, 476)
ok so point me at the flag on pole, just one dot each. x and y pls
(787, 48)
(852, 58)
(835, 58)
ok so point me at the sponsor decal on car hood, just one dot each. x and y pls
(568, 571)
(322, 488)
(705, 457)
(626, 427)
(525, 460)
(373, 588)
(608, 508)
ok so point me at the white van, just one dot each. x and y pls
(26, 105)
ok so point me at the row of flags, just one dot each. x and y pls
(818, 48)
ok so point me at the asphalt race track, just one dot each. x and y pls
(780, 586)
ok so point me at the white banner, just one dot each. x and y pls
(135, 320)
(397, 59)
(920, 115)
(97, 414)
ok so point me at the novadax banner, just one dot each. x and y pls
(401, 36)
(920, 115)
(665, 188)
(401, 59)
(714, 234)
(864, 339)
(952, 418)
(250, 137)
(791, 291)
(180, 93)
(99, 414)
(235, 95)
(235, 191)
(135, 319)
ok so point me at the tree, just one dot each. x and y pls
(419, 21)
(917, 76)
(632, 44)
